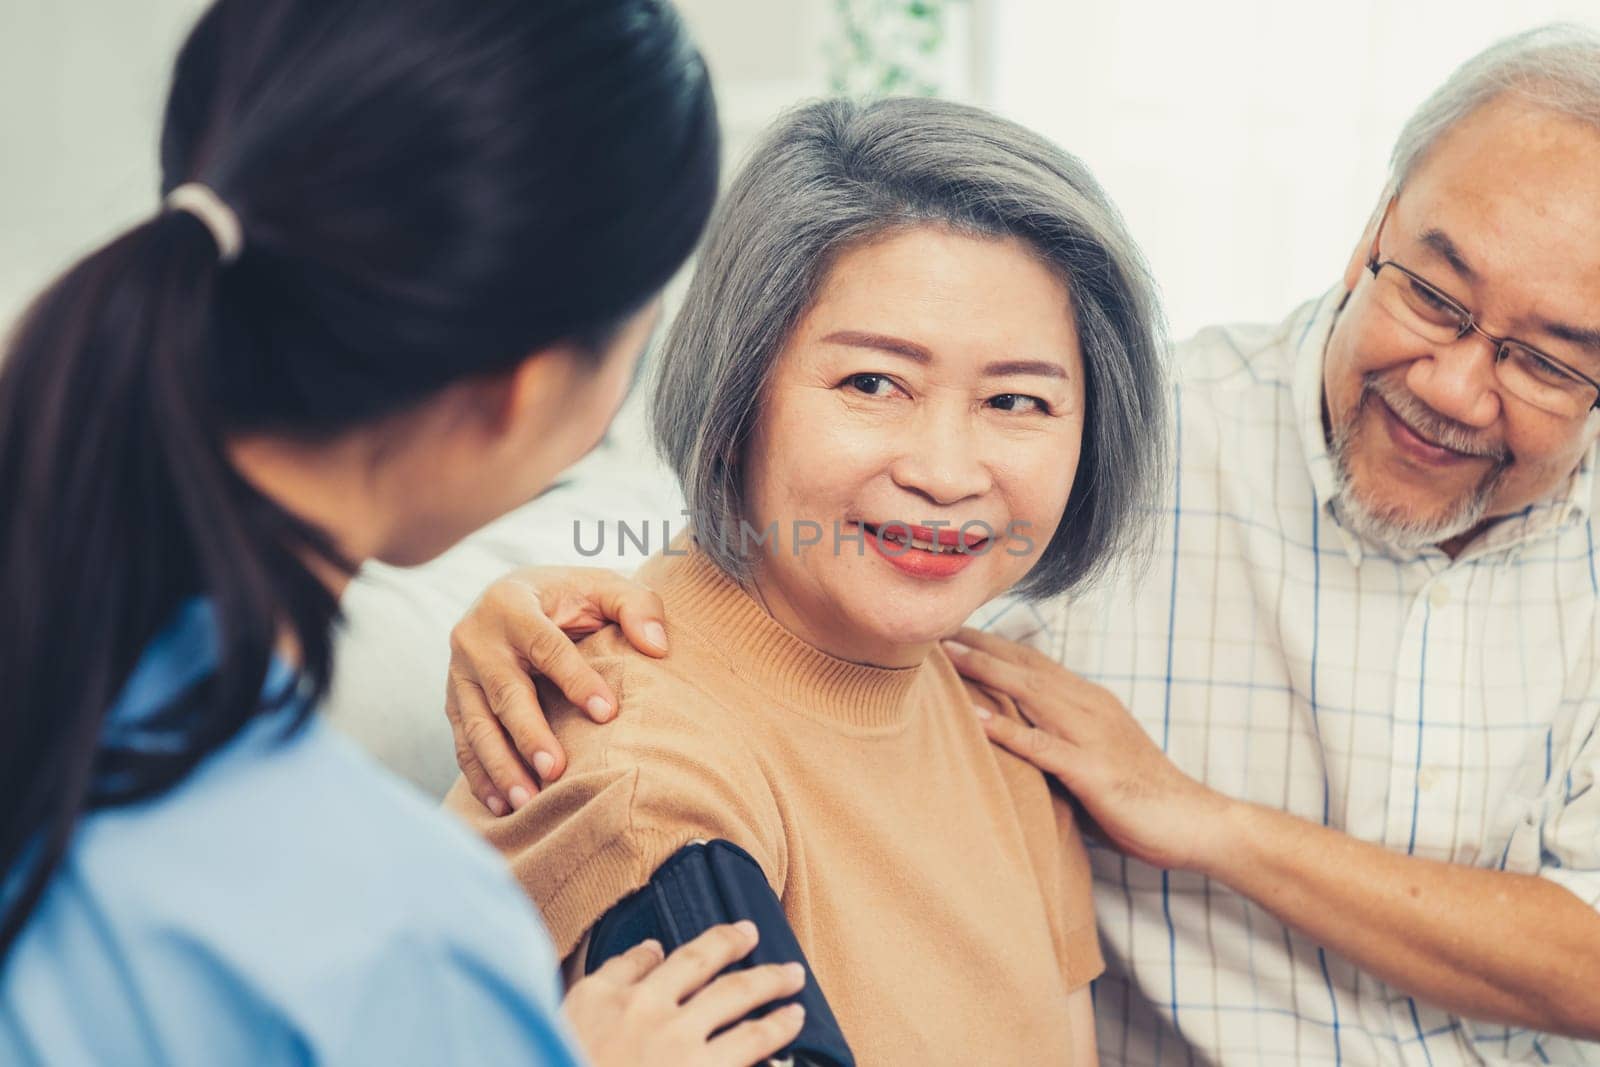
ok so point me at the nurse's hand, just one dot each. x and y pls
(522, 626)
(639, 1010)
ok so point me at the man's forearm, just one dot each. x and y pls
(1483, 944)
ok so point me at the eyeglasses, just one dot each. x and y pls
(1525, 372)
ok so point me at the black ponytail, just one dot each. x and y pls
(428, 190)
(120, 507)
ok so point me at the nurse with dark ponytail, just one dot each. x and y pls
(408, 254)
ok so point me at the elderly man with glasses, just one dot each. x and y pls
(1341, 737)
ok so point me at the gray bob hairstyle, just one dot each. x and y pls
(837, 172)
(1555, 67)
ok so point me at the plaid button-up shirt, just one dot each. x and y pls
(1440, 708)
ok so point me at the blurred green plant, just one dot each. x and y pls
(888, 47)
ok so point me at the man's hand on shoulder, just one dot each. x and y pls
(1136, 798)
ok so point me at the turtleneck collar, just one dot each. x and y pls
(702, 597)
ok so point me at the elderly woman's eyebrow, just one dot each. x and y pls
(1025, 366)
(883, 343)
(919, 354)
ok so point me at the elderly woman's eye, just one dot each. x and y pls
(1019, 402)
(871, 384)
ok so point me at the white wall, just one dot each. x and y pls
(82, 83)
(764, 55)
(1246, 141)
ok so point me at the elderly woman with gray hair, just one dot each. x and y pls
(919, 366)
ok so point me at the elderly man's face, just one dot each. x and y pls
(1504, 216)
(936, 381)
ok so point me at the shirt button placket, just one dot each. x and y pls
(1406, 776)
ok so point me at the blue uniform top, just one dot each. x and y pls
(289, 901)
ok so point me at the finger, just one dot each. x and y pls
(515, 702)
(477, 778)
(550, 652)
(733, 996)
(694, 964)
(1045, 751)
(638, 611)
(986, 668)
(754, 1041)
(627, 968)
(561, 594)
(1041, 666)
(1011, 651)
(486, 739)
(583, 595)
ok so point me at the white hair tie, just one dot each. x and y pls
(205, 205)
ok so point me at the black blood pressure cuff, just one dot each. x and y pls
(703, 885)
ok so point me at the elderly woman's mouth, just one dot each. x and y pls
(943, 541)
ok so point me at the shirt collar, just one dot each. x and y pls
(1307, 331)
(178, 658)
(1567, 508)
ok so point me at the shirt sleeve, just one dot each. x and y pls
(1564, 826)
(1570, 838)
(430, 998)
(435, 959)
(1078, 939)
(635, 791)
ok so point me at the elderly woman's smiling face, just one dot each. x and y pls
(935, 383)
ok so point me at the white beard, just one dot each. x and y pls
(1391, 524)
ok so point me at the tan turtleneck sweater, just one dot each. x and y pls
(939, 890)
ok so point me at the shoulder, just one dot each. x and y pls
(1049, 820)
(1232, 390)
(1027, 784)
(673, 767)
(1234, 354)
(1240, 367)
(295, 882)
(686, 712)
(682, 735)
(311, 820)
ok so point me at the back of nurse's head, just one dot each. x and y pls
(385, 204)
(833, 175)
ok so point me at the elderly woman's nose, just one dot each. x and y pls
(942, 459)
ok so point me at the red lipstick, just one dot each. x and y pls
(892, 543)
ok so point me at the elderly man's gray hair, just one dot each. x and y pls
(836, 172)
(1555, 67)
